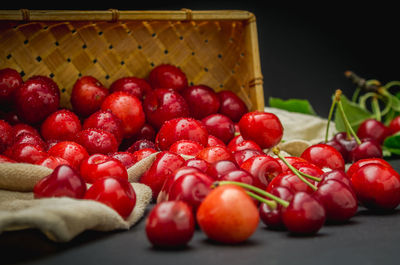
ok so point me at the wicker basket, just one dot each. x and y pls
(216, 48)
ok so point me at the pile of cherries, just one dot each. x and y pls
(211, 170)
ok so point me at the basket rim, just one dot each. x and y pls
(183, 14)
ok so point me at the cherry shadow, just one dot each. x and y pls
(378, 212)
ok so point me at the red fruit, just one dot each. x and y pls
(200, 164)
(61, 125)
(338, 175)
(368, 148)
(231, 105)
(291, 181)
(170, 224)
(128, 109)
(10, 116)
(97, 141)
(141, 144)
(5, 159)
(142, 153)
(263, 168)
(243, 155)
(191, 188)
(220, 168)
(10, 80)
(323, 155)
(87, 95)
(116, 193)
(339, 201)
(27, 153)
(135, 86)
(161, 105)
(235, 141)
(164, 165)
(220, 126)
(239, 175)
(28, 138)
(98, 166)
(262, 127)
(305, 215)
(373, 129)
(126, 158)
(377, 186)
(147, 132)
(35, 99)
(308, 168)
(291, 160)
(186, 147)
(106, 121)
(6, 135)
(168, 76)
(202, 101)
(21, 128)
(52, 162)
(362, 162)
(214, 141)
(64, 181)
(245, 145)
(228, 215)
(394, 125)
(181, 129)
(73, 152)
(214, 154)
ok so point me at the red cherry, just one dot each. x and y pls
(291, 181)
(181, 129)
(377, 186)
(243, 155)
(73, 152)
(147, 132)
(235, 141)
(141, 144)
(245, 145)
(202, 101)
(220, 168)
(186, 147)
(162, 104)
(5, 159)
(308, 168)
(128, 109)
(231, 105)
(107, 121)
(263, 168)
(339, 201)
(170, 224)
(36, 98)
(21, 128)
(97, 141)
(135, 86)
(27, 153)
(214, 141)
(61, 125)
(164, 164)
(200, 164)
(368, 148)
(98, 166)
(323, 155)
(10, 80)
(336, 174)
(239, 175)
(116, 193)
(305, 215)
(362, 162)
(126, 158)
(228, 215)
(291, 160)
(27, 138)
(262, 127)
(142, 153)
(87, 95)
(6, 135)
(343, 144)
(373, 129)
(10, 116)
(394, 125)
(64, 181)
(220, 126)
(52, 162)
(168, 76)
(191, 188)
(214, 154)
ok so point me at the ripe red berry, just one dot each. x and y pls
(202, 101)
(107, 121)
(220, 126)
(135, 86)
(98, 166)
(97, 141)
(10, 80)
(168, 76)
(232, 105)
(323, 155)
(61, 125)
(73, 152)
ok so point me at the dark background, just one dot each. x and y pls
(304, 50)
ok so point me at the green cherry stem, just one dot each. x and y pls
(347, 123)
(333, 105)
(376, 109)
(253, 189)
(271, 203)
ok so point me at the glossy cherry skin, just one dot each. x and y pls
(27, 153)
(339, 201)
(168, 76)
(342, 150)
(87, 95)
(214, 154)
(261, 127)
(231, 105)
(116, 193)
(170, 224)
(181, 129)
(243, 155)
(142, 153)
(220, 126)
(202, 101)
(362, 162)
(141, 144)
(394, 125)
(164, 165)
(73, 152)
(5, 159)
(28, 138)
(61, 125)
(245, 145)
(291, 181)
(308, 168)
(135, 86)
(305, 215)
(228, 215)
(98, 166)
(21, 128)
(186, 147)
(97, 141)
(36, 98)
(239, 175)
(6, 135)
(347, 144)
(323, 155)
(191, 188)
(106, 121)
(52, 162)
(373, 129)
(368, 148)
(128, 109)
(264, 168)
(377, 187)
(200, 164)
(126, 158)
(291, 160)
(214, 141)
(336, 174)
(147, 132)
(10, 80)
(218, 169)
(64, 181)
(272, 218)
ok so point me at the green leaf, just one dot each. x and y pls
(392, 144)
(355, 114)
(292, 105)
